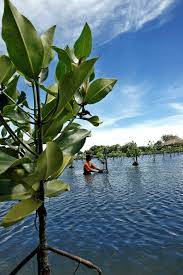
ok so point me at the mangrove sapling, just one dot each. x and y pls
(134, 152)
(38, 143)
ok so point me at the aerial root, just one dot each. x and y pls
(24, 261)
(80, 260)
(75, 258)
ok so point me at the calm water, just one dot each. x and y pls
(128, 222)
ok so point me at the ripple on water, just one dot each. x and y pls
(128, 222)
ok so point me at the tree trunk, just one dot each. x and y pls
(42, 258)
(136, 159)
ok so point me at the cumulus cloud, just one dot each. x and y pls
(107, 18)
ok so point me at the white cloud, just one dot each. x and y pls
(107, 18)
(141, 133)
(177, 106)
(128, 103)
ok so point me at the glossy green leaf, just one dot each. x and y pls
(94, 120)
(64, 65)
(74, 125)
(54, 188)
(43, 75)
(5, 162)
(7, 69)
(50, 160)
(48, 110)
(83, 46)
(9, 151)
(9, 190)
(47, 41)
(22, 99)
(66, 160)
(99, 89)
(48, 163)
(20, 211)
(70, 53)
(3, 132)
(53, 127)
(72, 140)
(15, 114)
(52, 89)
(22, 41)
(21, 161)
(11, 89)
(92, 76)
(72, 82)
(79, 96)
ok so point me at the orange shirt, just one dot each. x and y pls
(88, 166)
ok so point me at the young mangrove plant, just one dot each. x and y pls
(39, 137)
(134, 152)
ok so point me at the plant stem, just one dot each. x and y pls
(42, 257)
(35, 113)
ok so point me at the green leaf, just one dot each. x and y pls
(74, 125)
(99, 89)
(22, 99)
(72, 82)
(43, 75)
(47, 41)
(51, 90)
(72, 140)
(94, 120)
(79, 96)
(11, 89)
(83, 46)
(20, 211)
(9, 190)
(92, 76)
(5, 162)
(15, 114)
(50, 160)
(66, 161)
(48, 110)
(22, 41)
(53, 127)
(64, 65)
(3, 132)
(54, 188)
(48, 163)
(9, 151)
(7, 69)
(70, 53)
(20, 161)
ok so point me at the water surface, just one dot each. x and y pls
(128, 222)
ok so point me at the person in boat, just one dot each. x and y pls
(89, 167)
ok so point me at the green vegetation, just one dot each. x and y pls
(39, 137)
(133, 151)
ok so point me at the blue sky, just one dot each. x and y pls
(140, 43)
